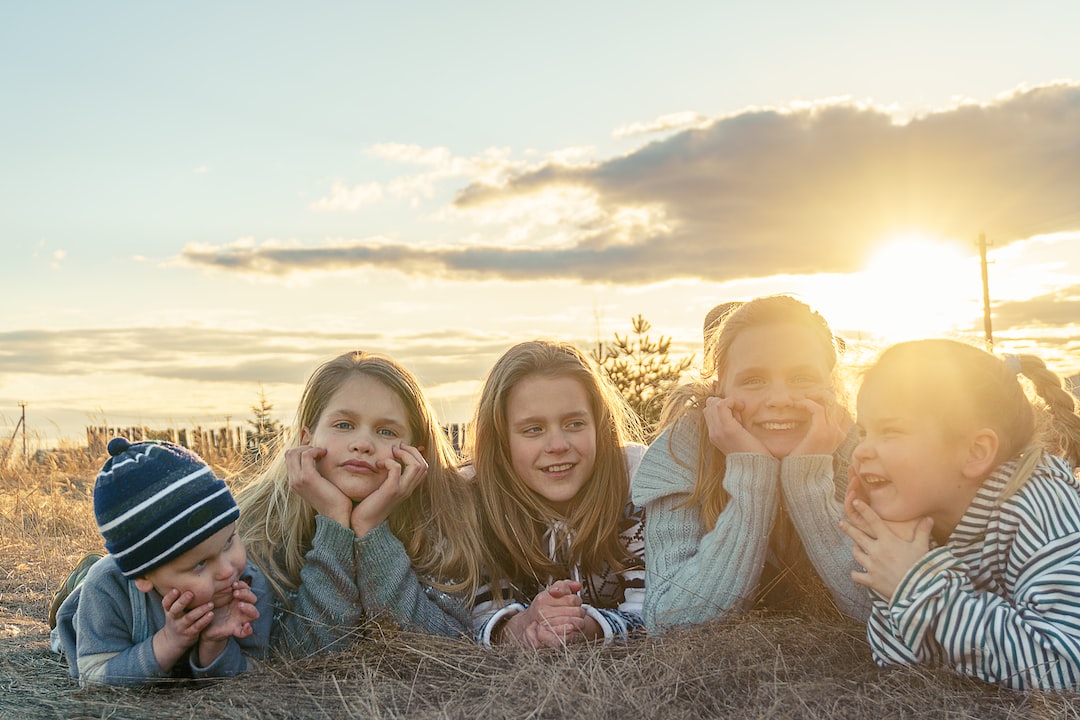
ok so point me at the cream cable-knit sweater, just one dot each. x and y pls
(694, 573)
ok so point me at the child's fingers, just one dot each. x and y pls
(859, 537)
(244, 594)
(865, 516)
(249, 610)
(562, 588)
(300, 463)
(169, 599)
(861, 578)
(175, 602)
(550, 637)
(413, 468)
(411, 455)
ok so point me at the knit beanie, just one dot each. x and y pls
(154, 501)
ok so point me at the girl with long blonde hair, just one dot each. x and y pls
(362, 512)
(552, 450)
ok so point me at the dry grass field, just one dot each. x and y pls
(759, 666)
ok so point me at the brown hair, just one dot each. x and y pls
(514, 517)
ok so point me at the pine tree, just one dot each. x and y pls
(642, 370)
(266, 432)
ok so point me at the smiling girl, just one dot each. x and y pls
(552, 457)
(743, 488)
(362, 511)
(966, 529)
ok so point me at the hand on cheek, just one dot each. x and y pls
(885, 551)
(829, 424)
(723, 419)
(301, 464)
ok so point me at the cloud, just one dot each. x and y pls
(440, 164)
(343, 197)
(799, 190)
(262, 356)
(664, 123)
(1059, 308)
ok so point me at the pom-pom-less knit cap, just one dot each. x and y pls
(154, 501)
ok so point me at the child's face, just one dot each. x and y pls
(908, 465)
(769, 369)
(208, 570)
(359, 428)
(552, 437)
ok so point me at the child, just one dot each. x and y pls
(552, 458)
(175, 596)
(362, 498)
(967, 529)
(743, 488)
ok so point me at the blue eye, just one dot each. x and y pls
(387, 432)
(342, 425)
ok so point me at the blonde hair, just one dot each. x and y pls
(436, 523)
(967, 387)
(514, 517)
(689, 399)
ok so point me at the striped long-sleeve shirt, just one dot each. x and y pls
(1001, 600)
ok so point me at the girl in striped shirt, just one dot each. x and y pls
(966, 527)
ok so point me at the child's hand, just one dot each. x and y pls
(404, 474)
(306, 480)
(232, 620)
(726, 432)
(554, 618)
(182, 627)
(887, 551)
(829, 424)
(857, 491)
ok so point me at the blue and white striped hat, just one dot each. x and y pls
(154, 501)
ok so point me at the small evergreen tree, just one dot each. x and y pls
(265, 432)
(642, 370)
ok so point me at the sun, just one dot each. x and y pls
(914, 286)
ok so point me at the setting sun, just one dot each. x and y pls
(913, 286)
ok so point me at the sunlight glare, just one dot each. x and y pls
(915, 287)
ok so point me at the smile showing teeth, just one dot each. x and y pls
(558, 468)
(779, 425)
(874, 480)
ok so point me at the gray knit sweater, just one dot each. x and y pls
(347, 580)
(695, 573)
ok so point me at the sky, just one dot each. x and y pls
(204, 201)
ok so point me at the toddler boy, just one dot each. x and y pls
(175, 596)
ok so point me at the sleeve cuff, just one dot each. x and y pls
(602, 621)
(503, 614)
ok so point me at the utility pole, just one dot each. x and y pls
(987, 327)
(22, 421)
